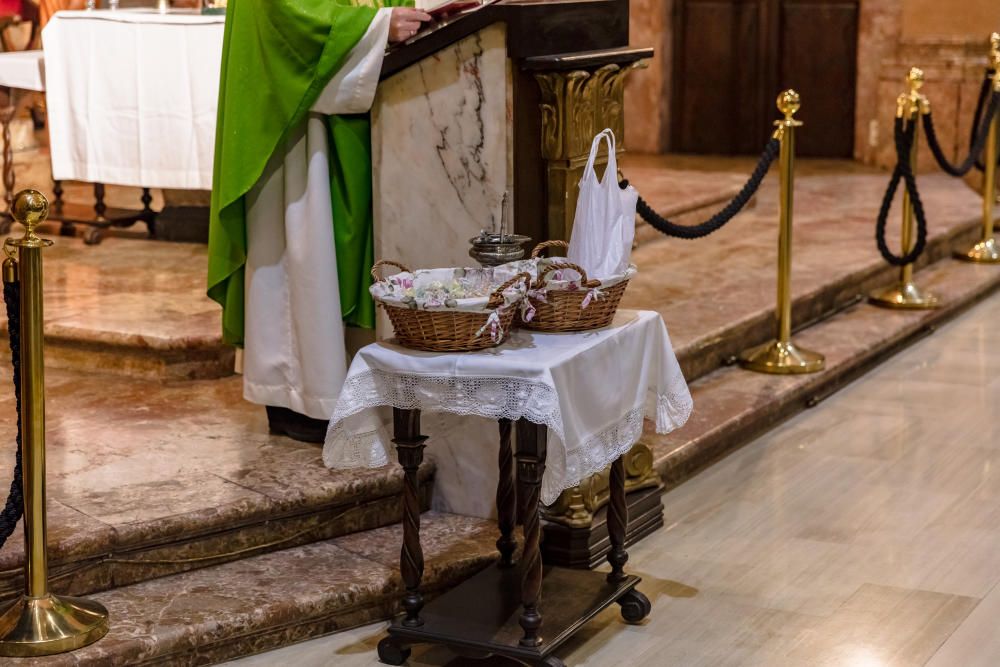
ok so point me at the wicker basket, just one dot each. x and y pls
(449, 330)
(563, 310)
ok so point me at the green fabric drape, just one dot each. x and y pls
(353, 226)
(277, 57)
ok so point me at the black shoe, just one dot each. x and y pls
(296, 425)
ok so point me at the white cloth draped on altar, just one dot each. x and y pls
(132, 96)
(591, 389)
(294, 352)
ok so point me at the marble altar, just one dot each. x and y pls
(441, 149)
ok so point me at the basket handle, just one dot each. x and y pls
(386, 262)
(496, 299)
(548, 244)
(584, 280)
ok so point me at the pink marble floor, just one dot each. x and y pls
(141, 293)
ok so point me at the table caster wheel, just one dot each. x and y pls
(392, 653)
(93, 236)
(635, 606)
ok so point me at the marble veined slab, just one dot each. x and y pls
(441, 152)
(441, 137)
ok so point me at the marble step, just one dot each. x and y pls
(256, 604)
(147, 479)
(133, 307)
(732, 405)
(717, 296)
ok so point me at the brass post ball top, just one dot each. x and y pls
(915, 78)
(30, 208)
(995, 50)
(789, 102)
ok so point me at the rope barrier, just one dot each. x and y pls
(14, 508)
(981, 129)
(718, 220)
(904, 171)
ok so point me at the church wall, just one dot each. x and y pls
(647, 92)
(893, 35)
(950, 46)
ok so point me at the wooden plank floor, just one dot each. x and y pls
(863, 533)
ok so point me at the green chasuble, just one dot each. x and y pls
(277, 57)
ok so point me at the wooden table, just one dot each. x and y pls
(521, 610)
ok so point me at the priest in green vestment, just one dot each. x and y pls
(290, 238)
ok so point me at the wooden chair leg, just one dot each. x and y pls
(531, 451)
(6, 117)
(410, 450)
(506, 497)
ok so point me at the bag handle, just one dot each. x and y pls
(608, 136)
(386, 262)
(496, 299)
(584, 280)
(541, 247)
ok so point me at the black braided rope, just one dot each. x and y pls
(975, 152)
(718, 220)
(903, 170)
(14, 507)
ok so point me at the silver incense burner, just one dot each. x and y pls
(498, 247)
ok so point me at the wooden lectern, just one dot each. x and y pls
(507, 97)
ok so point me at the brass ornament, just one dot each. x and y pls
(38, 623)
(782, 356)
(577, 506)
(575, 106)
(987, 250)
(905, 294)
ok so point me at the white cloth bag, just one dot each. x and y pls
(604, 226)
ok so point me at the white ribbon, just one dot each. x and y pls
(594, 293)
(527, 307)
(493, 324)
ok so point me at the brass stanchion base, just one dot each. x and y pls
(984, 252)
(782, 358)
(905, 296)
(48, 625)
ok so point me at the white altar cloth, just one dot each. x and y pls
(132, 96)
(591, 389)
(23, 70)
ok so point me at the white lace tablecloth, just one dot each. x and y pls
(591, 389)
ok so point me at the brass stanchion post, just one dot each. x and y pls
(905, 294)
(782, 355)
(39, 623)
(987, 251)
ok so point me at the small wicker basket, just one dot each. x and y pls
(450, 330)
(563, 310)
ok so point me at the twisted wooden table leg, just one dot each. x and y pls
(617, 522)
(531, 450)
(410, 450)
(506, 497)
(6, 116)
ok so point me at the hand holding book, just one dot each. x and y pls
(437, 8)
(405, 22)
